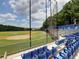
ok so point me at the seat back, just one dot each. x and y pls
(26, 55)
(34, 54)
(40, 50)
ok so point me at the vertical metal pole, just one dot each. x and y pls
(46, 21)
(50, 12)
(51, 19)
(30, 20)
(56, 16)
(50, 9)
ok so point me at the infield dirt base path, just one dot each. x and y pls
(17, 37)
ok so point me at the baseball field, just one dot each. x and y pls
(16, 41)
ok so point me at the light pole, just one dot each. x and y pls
(56, 5)
(30, 21)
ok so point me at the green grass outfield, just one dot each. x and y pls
(9, 33)
(14, 46)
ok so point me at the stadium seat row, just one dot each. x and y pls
(67, 52)
(68, 27)
(72, 45)
(41, 53)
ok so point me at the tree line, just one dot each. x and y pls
(11, 28)
(67, 15)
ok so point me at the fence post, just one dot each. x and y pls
(30, 21)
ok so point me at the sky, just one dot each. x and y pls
(16, 12)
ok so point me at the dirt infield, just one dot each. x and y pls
(17, 37)
(2, 37)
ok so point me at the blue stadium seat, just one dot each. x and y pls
(77, 34)
(58, 57)
(74, 47)
(68, 51)
(73, 50)
(26, 55)
(45, 48)
(55, 57)
(61, 27)
(43, 52)
(48, 53)
(77, 38)
(63, 54)
(34, 54)
(40, 50)
(42, 56)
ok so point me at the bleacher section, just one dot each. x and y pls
(64, 29)
(71, 46)
(68, 29)
(41, 53)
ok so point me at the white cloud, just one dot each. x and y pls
(19, 6)
(23, 20)
(38, 6)
(38, 16)
(3, 3)
(8, 16)
(1, 20)
(22, 6)
(61, 3)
